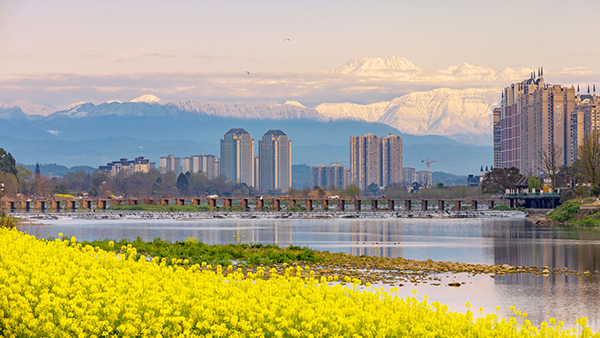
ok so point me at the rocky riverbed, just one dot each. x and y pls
(183, 216)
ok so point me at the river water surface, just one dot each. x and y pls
(482, 241)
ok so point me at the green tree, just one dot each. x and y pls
(25, 178)
(352, 190)
(11, 186)
(534, 183)
(595, 191)
(373, 189)
(61, 189)
(7, 163)
(320, 191)
(77, 180)
(182, 184)
(93, 192)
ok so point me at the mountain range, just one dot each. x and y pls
(461, 114)
(88, 134)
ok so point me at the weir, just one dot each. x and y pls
(276, 203)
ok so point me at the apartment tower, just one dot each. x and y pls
(375, 159)
(170, 163)
(275, 161)
(497, 137)
(535, 118)
(327, 175)
(237, 156)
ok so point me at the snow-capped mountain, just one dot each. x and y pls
(464, 115)
(28, 108)
(461, 114)
(152, 106)
(400, 69)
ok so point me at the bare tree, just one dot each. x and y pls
(551, 157)
(589, 157)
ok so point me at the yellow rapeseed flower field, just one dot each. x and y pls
(61, 289)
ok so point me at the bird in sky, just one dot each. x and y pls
(286, 39)
(248, 72)
(140, 147)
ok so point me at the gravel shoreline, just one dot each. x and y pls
(118, 215)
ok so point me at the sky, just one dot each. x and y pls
(59, 52)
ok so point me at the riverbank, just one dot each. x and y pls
(183, 216)
(576, 212)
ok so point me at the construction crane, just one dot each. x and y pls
(337, 162)
(428, 162)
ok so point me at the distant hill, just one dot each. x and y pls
(58, 170)
(448, 179)
(301, 176)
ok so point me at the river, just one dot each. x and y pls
(481, 241)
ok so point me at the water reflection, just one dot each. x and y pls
(519, 243)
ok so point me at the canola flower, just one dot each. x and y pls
(63, 289)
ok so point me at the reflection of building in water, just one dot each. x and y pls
(378, 237)
(280, 235)
(519, 243)
(523, 244)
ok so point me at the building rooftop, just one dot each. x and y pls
(275, 132)
(236, 131)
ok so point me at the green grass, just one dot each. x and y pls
(163, 208)
(198, 252)
(565, 212)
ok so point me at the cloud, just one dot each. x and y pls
(309, 88)
(53, 132)
(161, 55)
(575, 71)
(211, 58)
(16, 56)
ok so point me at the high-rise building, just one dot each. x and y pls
(375, 160)
(187, 165)
(170, 163)
(409, 175)
(537, 118)
(237, 156)
(327, 175)
(257, 172)
(497, 137)
(203, 164)
(587, 116)
(275, 161)
(425, 178)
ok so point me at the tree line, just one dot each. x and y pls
(584, 173)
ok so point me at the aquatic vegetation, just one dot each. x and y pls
(62, 288)
(198, 252)
(6, 221)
